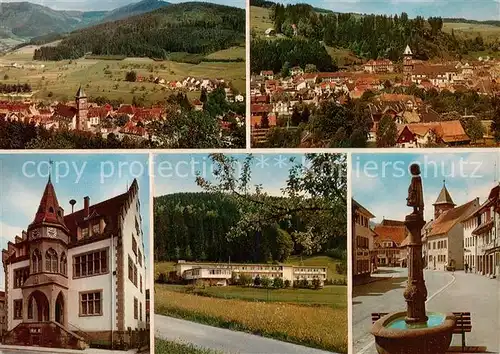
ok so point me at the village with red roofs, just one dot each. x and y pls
(389, 89)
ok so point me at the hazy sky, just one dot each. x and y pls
(177, 173)
(470, 9)
(383, 190)
(92, 5)
(23, 178)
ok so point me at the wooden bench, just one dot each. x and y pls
(463, 324)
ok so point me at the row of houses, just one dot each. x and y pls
(458, 237)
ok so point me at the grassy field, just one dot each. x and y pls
(316, 326)
(332, 296)
(60, 80)
(489, 33)
(167, 347)
(259, 20)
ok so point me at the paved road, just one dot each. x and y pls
(11, 349)
(224, 340)
(446, 292)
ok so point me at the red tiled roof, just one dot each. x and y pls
(261, 108)
(126, 109)
(109, 209)
(65, 111)
(48, 209)
(445, 222)
(100, 112)
(396, 234)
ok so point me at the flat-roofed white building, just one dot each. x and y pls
(221, 273)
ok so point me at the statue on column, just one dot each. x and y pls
(415, 192)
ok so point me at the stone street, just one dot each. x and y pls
(447, 292)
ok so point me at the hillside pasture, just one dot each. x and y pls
(60, 80)
(489, 33)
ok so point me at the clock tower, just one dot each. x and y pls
(45, 290)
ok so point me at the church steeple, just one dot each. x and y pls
(443, 202)
(49, 212)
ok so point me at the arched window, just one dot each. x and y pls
(36, 261)
(51, 262)
(64, 264)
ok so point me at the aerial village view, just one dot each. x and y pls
(144, 75)
(426, 281)
(250, 253)
(352, 74)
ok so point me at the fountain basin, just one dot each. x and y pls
(394, 336)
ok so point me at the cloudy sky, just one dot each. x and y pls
(23, 178)
(93, 5)
(470, 9)
(380, 181)
(177, 173)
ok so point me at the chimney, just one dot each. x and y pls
(86, 205)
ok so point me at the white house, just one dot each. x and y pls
(77, 278)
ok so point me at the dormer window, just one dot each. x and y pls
(85, 232)
(95, 229)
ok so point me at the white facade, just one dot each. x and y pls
(186, 271)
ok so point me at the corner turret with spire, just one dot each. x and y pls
(444, 202)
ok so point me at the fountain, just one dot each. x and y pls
(414, 331)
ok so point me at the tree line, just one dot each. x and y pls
(287, 53)
(374, 36)
(15, 88)
(189, 27)
(194, 226)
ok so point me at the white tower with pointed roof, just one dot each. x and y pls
(407, 64)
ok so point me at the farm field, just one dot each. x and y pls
(100, 77)
(168, 347)
(316, 326)
(259, 20)
(489, 33)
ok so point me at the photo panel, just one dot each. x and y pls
(76, 252)
(251, 249)
(374, 74)
(426, 252)
(123, 74)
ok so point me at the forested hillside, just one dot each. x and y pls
(134, 9)
(374, 36)
(27, 20)
(367, 36)
(195, 226)
(193, 27)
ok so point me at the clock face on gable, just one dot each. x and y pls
(51, 232)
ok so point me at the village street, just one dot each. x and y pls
(447, 292)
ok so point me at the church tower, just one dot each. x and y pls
(407, 64)
(443, 202)
(82, 110)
